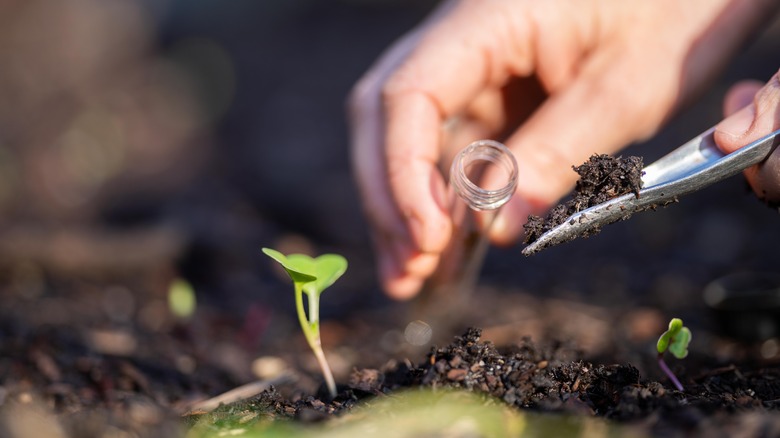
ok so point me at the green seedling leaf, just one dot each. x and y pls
(663, 342)
(292, 267)
(317, 274)
(675, 339)
(327, 268)
(679, 345)
(181, 298)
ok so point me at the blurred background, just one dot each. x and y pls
(143, 141)
(189, 130)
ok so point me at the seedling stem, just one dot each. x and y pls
(312, 276)
(676, 340)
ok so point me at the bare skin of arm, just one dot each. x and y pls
(556, 81)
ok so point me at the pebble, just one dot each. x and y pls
(268, 367)
(114, 342)
(457, 375)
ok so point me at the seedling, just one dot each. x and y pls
(312, 276)
(676, 340)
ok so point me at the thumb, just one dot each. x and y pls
(759, 118)
(740, 95)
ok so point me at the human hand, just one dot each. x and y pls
(557, 81)
(753, 111)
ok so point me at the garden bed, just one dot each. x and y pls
(88, 373)
(89, 346)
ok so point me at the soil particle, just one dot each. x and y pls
(601, 178)
(366, 379)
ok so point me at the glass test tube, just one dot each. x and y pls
(456, 276)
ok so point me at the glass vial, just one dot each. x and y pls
(483, 177)
(468, 168)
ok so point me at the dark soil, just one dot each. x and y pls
(602, 178)
(553, 378)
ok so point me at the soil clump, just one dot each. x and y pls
(602, 178)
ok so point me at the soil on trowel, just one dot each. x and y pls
(602, 178)
(553, 378)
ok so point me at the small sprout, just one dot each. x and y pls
(312, 276)
(181, 298)
(676, 340)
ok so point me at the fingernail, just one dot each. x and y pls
(502, 228)
(508, 225)
(404, 288)
(738, 123)
(421, 264)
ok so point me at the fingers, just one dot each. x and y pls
(759, 115)
(390, 236)
(740, 95)
(402, 269)
(407, 234)
(397, 114)
(437, 81)
(599, 112)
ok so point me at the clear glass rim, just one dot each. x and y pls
(488, 151)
